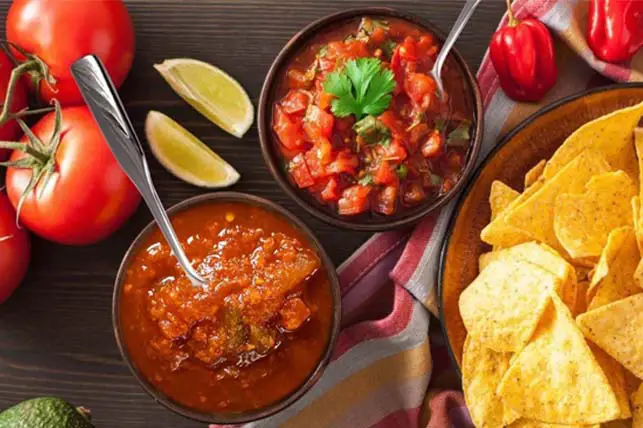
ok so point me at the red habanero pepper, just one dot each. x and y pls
(615, 28)
(524, 58)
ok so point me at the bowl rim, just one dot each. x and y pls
(311, 379)
(266, 134)
(474, 177)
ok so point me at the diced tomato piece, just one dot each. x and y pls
(396, 151)
(454, 160)
(384, 174)
(327, 64)
(299, 172)
(296, 101)
(378, 36)
(407, 49)
(357, 49)
(298, 79)
(434, 145)
(386, 200)
(336, 50)
(346, 162)
(318, 123)
(294, 314)
(393, 123)
(343, 124)
(418, 133)
(420, 88)
(354, 200)
(288, 130)
(331, 191)
(447, 185)
(426, 46)
(397, 69)
(413, 194)
(325, 100)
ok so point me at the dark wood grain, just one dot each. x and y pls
(55, 332)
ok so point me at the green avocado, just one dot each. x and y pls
(45, 412)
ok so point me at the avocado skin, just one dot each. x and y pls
(44, 412)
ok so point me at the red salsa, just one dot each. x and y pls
(359, 123)
(249, 338)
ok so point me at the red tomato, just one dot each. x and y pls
(407, 49)
(318, 123)
(299, 172)
(288, 130)
(10, 131)
(296, 101)
(60, 32)
(384, 174)
(354, 200)
(14, 250)
(385, 200)
(433, 146)
(88, 197)
(331, 190)
(420, 88)
(344, 162)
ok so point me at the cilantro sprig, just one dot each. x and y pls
(362, 87)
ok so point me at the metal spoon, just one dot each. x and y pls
(462, 20)
(103, 101)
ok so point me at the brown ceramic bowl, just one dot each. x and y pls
(233, 418)
(534, 139)
(269, 144)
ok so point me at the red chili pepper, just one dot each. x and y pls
(615, 28)
(524, 58)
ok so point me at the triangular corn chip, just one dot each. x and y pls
(500, 197)
(534, 173)
(556, 378)
(613, 278)
(616, 328)
(611, 135)
(615, 373)
(536, 214)
(482, 370)
(637, 408)
(504, 303)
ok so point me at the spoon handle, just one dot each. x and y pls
(107, 108)
(458, 26)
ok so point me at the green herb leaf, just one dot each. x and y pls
(460, 135)
(366, 180)
(440, 124)
(372, 131)
(362, 87)
(388, 47)
(436, 180)
(402, 172)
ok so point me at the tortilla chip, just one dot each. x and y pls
(613, 278)
(500, 197)
(556, 378)
(535, 215)
(528, 423)
(535, 173)
(616, 328)
(503, 304)
(499, 234)
(615, 373)
(638, 148)
(637, 408)
(482, 370)
(619, 423)
(611, 135)
(632, 383)
(582, 222)
(638, 274)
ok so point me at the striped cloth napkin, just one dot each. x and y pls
(390, 367)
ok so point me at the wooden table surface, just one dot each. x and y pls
(56, 332)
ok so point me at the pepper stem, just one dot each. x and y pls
(510, 15)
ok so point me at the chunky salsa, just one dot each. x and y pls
(247, 340)
(360, 125)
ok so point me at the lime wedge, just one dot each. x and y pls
(211, 91)
(184, 155)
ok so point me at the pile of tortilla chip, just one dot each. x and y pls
(555, 316)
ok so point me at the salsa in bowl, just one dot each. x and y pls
(250, 342)
(353, 128)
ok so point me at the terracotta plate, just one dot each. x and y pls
(534, 139)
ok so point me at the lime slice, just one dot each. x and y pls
(185, 156)
(211, 91)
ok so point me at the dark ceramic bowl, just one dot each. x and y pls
(269, 144)
(536, 138)
(249, 416)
